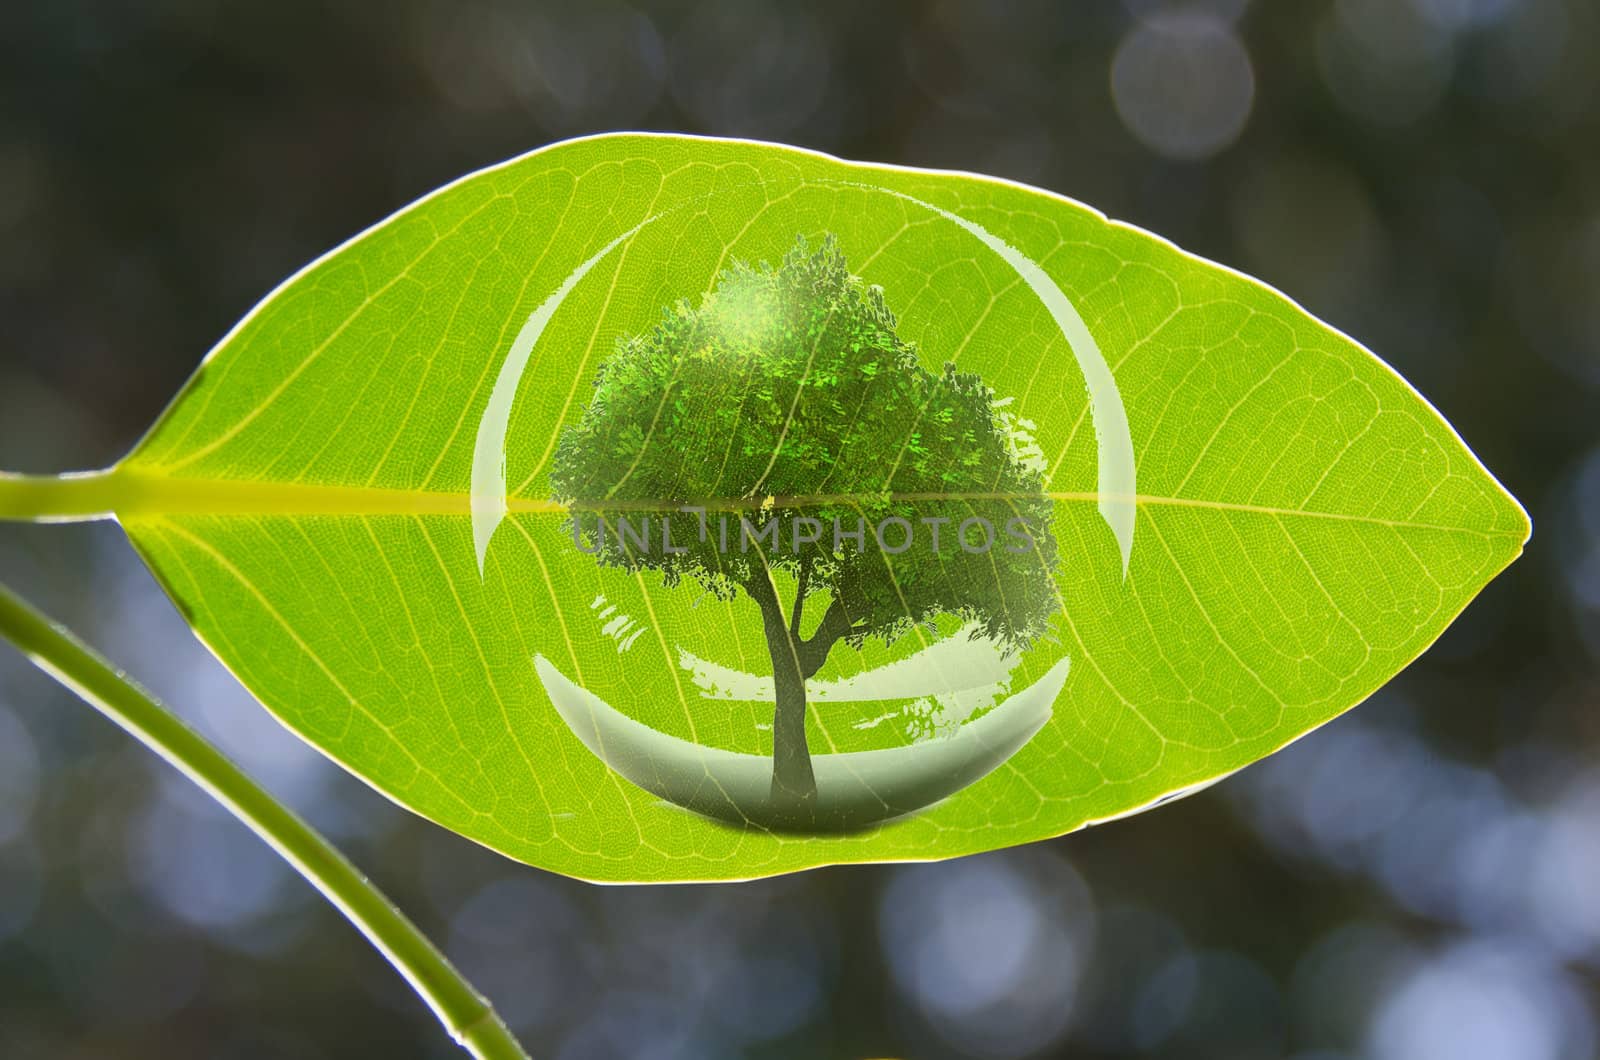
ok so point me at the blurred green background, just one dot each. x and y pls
(1415, 881)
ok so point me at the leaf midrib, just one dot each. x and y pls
(130, 494)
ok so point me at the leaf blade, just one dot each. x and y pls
(306, 499)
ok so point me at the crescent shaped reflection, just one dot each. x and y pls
(1118, 485)
(855, 789)
(488, 496)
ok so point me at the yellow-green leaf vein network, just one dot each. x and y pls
(1305, 524)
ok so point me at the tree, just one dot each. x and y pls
(780, 440)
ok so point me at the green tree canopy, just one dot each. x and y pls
(780, 440)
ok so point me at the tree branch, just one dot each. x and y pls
(800, 596)
(834, 627)
(759, 586)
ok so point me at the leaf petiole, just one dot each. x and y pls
(71, 498)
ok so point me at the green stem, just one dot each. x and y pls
(57, 498)
(465, 1013)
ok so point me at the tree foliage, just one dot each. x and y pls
(781, 434)
(785, 396)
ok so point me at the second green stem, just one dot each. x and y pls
(465, 1013)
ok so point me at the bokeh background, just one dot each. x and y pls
(1418, 880)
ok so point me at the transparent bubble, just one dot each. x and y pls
(1183, 84)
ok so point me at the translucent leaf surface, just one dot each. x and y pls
(1256, 522)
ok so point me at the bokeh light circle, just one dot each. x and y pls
(1183, 84)
(989, 949)
(1482, 1001)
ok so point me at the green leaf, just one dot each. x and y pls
(1252, 523)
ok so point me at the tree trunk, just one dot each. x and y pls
(793, 784)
